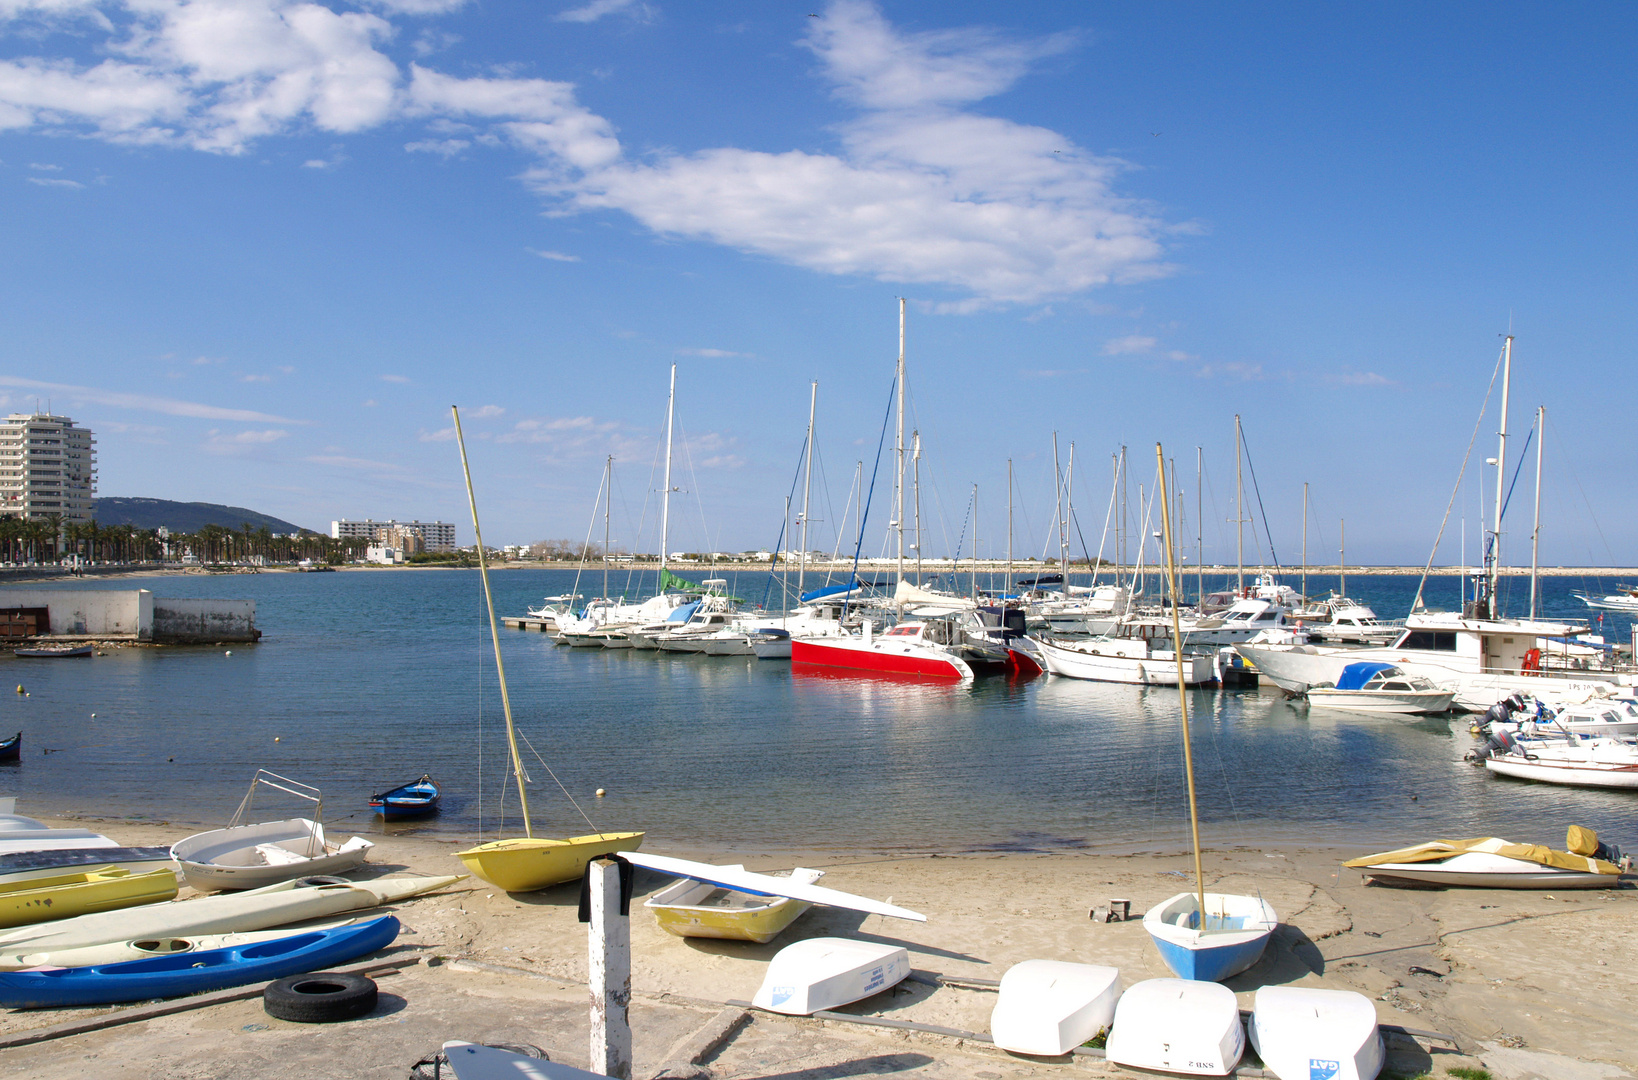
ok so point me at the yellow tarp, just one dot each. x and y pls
(1435, 850)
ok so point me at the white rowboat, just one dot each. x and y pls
(1303, 1033)
(1049, 1007)
(1177, 1026)
(251, 856)
(827, 973)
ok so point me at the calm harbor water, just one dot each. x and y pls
(366, 680)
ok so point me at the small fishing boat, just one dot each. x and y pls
(1493, 863)
(826, 973)
(1177, 1026)
(1303, 1033)
(251, 856)
(1372, 686)
(1607, 763)
(12, 748)
(704, 909)
(276, 905)
(194, 972)
(63, 896)
(1049, 1007)
(1235, 931)
(53, 652)
(418, 798)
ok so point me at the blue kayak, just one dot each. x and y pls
(415, 799)
(194, 972)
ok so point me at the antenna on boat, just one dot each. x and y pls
(1182, 683)
(494, 628)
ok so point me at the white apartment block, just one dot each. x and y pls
(436, 535)
(47, 466)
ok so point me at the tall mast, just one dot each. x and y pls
(973, 581)
(1058, 506)
(494, 629)
(608, 497)
(1493, 570)
(1305, 541)
(665, 502)
(899, 443)
(1069, 514)
(1199, 528)
(1342, 561)
(1009, 526)
(1535, 532)
(1120, 535)
(1239, 515)
(915, 492)
(1182, 688)
(807, 489)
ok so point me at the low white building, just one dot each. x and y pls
(384, 555)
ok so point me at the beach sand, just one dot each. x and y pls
(1530, 984)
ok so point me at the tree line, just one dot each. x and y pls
(51, 539)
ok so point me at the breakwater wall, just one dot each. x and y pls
(130, 614)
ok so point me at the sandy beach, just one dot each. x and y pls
(1525, 984)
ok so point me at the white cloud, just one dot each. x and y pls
(716, 354)
(146, 402)
(38, 167)
(341, 461)
(217, 442)
(555, 256)
(415, 7)
(395, 378)
(1362, 378)
(444, 147)
(486, 412)
(255, 378)
(1130, 345)
(596, 9)
(53, 181)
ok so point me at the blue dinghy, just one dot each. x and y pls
(416, 799)
(1236, 931)
(194, 972)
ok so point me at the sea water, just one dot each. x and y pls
(365, 680)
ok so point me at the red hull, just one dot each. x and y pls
(823, 655)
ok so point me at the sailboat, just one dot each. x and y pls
(529, 862)
(1203, 936)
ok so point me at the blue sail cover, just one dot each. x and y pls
(828, 590)
(684, 613)
(1355, 676)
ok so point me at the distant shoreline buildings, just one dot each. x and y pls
(430, 535)
(47, 468)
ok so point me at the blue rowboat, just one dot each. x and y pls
(1236, 931)
(416, 799)
(194, 972)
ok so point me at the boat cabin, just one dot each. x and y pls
(1494, 645)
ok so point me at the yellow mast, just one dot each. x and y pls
(494, 629)
(1182, 685)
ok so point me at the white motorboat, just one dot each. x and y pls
(1372, 686)
(1049, 1007)
(1616, 717)
(1340, 618)
(826, 973)
(252, 856)
(1608, 763)
(1137, 657)
(1302, 1033)
(1177, 1026)
(1625, 598)
(1243, 620)
(1493, 863)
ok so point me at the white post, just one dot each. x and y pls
(609, 965)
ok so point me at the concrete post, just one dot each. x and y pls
(609, 965)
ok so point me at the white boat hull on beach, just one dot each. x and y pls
(1303, 1033)
(251, 856)
(1482, 869)
(826, 973)
(1177, 1026)
(1049, 1007)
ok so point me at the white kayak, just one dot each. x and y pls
(276, 905)
(1302, 1033)
(251, 856)
(826, 973)
(1178, 1026)
(1049, 1007)
(118, 952)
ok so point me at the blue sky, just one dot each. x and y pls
(260, 246)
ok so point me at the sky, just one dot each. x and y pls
(260, 247)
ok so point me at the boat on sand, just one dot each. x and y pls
(1049, 1007)
(704, 909)
(1304, 1033)
(251, 856)
(1493, 863)
(826, 973)
(1177, 1026)
(103, 888)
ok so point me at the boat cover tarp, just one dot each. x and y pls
(684, 613)
(829, 590)
(1436, 850)
(1355, 676)
(907, 594)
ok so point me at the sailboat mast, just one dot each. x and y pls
(1058, 505)
(1069, 513)
(665, 502)
(1009, 526)
(915, 491)
(1182, 686)
(1199, 527)
(1342, 561)
(494, 628)
(1535, 532)
(973, 581)
(608, 497)
(807, 488)
(1493, 571)
(1239, 515)
(899, 445)
(1305, 541)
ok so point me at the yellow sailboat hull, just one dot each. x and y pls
(104, 888)
(527, 864)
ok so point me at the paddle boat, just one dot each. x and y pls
(1373, 686)
(194, 972)
(826, 973)
(418, 798)
(704, 909)
(1049, 1007)
(1494, 863)
(1177, 1026)
(1229, 940)
(103, 888)
(1303, 1033)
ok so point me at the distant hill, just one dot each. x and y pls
(185, 517)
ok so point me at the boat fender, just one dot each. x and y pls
(323, 997)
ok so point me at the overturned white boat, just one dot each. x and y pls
(1303, 1033)
(1178, 1026)
(1049, 1007)
(827, 973)
(251, 856)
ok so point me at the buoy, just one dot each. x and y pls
(93, 716)
(601, 793)
(19, 688)
(228, 653)
(275, 738)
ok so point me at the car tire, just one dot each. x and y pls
(323, 997)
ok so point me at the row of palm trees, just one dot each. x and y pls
(51, 539)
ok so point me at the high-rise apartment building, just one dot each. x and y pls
(47, 467)
(436, 535)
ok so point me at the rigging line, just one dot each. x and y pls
(642, 524)
(559, 783)
(1263, 513)
(864, 507)
(1416, 603)
(1508, 500)
(784, 523)
(699, 504)
(574, 593)
(479, 625)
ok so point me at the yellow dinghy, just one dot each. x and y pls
(101, 888)
(524, 864)
(704, 909)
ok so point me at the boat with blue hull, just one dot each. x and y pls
(418, 798)
(194, 972)
(1235, 933)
